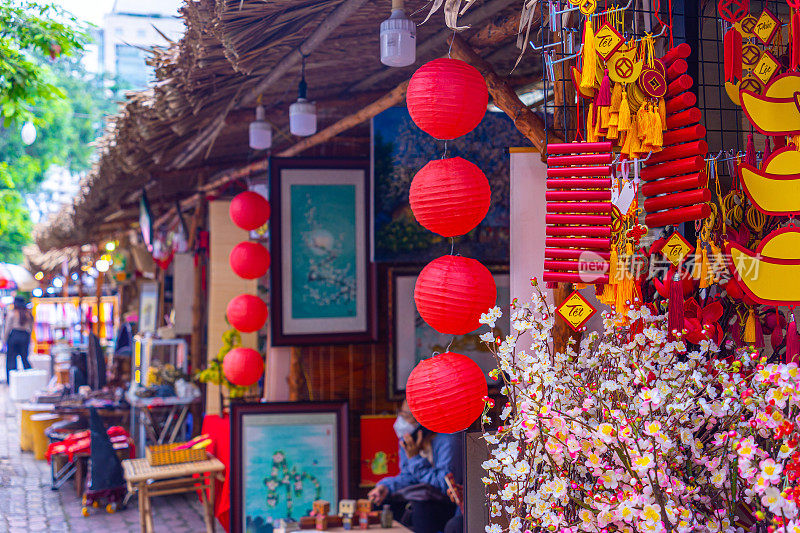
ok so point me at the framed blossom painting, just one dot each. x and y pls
(412, 340)
(321, 275)
(284, 456)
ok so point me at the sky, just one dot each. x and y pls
(89, 10)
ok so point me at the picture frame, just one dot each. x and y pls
(411, 339)
(321, 274)
(149, 299)
(306, 441)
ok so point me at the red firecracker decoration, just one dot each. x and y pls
(452, 293)
(447, 98)
(675, 190)
(247, 313)
(578, 242)
(732, 47)
(249, 210)
(450, 196)
(243, 366)
(249, 260)
(445, 393)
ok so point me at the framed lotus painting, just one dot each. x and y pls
(321, 274)
(284, 456)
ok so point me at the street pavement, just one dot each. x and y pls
(28, 505)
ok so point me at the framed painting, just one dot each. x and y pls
(400, 149)
(148, 306)
(322, 279)
(283, 457)
(412, 340)
(379, 454)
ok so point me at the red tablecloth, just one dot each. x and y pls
(219, 428)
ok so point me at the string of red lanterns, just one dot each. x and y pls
(447, 98)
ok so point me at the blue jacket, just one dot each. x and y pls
(416, 470)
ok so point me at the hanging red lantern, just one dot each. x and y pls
(247, 313)
(452, 292)
(447, 98)
(249, 260)
(450, 196)
(243, 366)
(249, 210)
(445, 393)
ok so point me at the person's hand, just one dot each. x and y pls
(412, 445)
(454, 494)
(378, 494)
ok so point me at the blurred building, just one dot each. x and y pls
(129, 30)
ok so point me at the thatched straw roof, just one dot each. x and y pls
(192, 123)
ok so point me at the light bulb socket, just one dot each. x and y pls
(302, 89)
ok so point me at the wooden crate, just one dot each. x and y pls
(164, 454)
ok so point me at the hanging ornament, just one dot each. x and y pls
(775, 188)
(249, 210)
(675, 190)
(732, 46)
(766, 68)
(447, 98)
(446, 392)
(733, 10)
(247, 313)
(450, 196)
(249, 260)
(766, 27)
(576, 310)
(771, 274)
(578, 242)
(452, 292)
(243, 366)
(775, 111)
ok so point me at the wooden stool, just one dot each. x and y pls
(26, 410)
(39, 423)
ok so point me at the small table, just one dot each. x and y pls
(145, 426)
(172, 479)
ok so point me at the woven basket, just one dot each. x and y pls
(163, 454)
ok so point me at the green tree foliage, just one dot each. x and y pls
(42, 80)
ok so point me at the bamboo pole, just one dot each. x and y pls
(504, 97)
(197, 341)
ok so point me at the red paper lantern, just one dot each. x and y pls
(445, 393)
(243, 366)
(450, 196)
(249, 210)
(447, 98)
(452, 292)
(249, 260)
(247, 313)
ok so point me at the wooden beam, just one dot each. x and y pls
(498, 30)
(393, 97)
(527, 122)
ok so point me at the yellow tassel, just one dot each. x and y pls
(697, 260)
(749, 335)
(704, 277)
(656, 131)
(624, 113)
(598, 125)
(612, 133)
(605, 117)
(588, 78)
(662, 112)
(719, 263)
(633, 132)
(625, 288)
(616, 97)
(590, 129)
(643, 123)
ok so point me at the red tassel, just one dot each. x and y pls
(776, 338)
(759, 340)
(767, 149)
(750, 151)
(792, 342)
(795, 53)
(780, 141)
(604, 94)
(675, 306)
(732, 46)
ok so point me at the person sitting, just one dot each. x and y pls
(417, 495)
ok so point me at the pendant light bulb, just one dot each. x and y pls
(302, 113)
(260, 131)
(398, 38)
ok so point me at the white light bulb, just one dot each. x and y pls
(260, 131)
(101, 265)
(398, 39)
(303, 118)
(28, 133)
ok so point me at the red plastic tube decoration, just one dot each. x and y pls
(675, 185)
(578, 241)
(732, 45)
